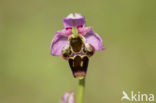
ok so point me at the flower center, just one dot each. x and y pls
(75, 31)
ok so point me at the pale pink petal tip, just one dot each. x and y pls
(68, 97)
(84, 30)
(74, 16)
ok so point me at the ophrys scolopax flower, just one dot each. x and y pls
(76, 43)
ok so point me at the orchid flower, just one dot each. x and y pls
(76, 43)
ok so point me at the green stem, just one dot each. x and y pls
(81, 90)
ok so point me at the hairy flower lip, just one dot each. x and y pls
(79, 65)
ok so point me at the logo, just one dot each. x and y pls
(137, 97)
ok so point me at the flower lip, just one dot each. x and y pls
(74, 20)
(79, 65)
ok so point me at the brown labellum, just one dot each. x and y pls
(79, 65)
(77, 54)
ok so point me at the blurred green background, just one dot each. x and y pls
(29, 74)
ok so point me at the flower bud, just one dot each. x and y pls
(68, 97)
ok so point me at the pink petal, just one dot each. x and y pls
(95, 40)
(65, 32)
(58, 43)
(68, 97)
(73, 20)
(84, 30)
